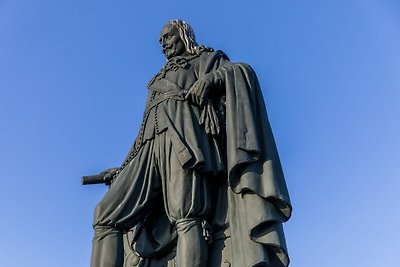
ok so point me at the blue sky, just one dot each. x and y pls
(72, 92)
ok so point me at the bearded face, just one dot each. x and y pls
(171, 42)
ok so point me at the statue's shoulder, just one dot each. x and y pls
(208, 52)
(210, 58)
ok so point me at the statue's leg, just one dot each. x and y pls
(126, 203)
(192, 248)
(107, 250)
(187, 204)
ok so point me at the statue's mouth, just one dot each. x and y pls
(167, 48)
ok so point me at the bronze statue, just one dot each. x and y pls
(202, 184)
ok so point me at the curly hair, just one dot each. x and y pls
(187, 35)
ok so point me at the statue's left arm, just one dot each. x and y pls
(206, 92)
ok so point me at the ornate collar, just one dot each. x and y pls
(173, 64)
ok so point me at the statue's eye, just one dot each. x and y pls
(164, 37)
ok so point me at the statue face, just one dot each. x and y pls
(171, 42)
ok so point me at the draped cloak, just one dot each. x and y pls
(258, 199)
(256, 193)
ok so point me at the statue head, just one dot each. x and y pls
(177, 37)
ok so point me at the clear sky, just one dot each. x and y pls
(72, 92)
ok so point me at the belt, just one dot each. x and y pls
(167, 90)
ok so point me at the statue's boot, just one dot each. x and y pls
(192, 248)
(107, 249)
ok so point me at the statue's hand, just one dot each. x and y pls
(109, 175)
(199, 91)
(209, 119)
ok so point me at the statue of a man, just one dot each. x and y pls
(202, 181)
